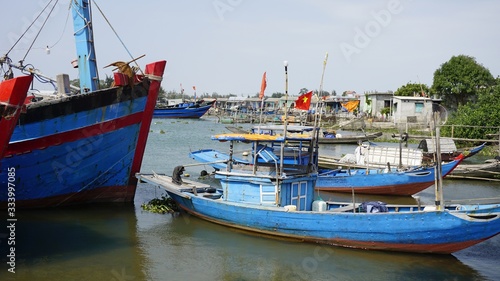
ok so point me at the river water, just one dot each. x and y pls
(99, 242)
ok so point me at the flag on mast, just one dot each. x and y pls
(263, 86)
(304, 101)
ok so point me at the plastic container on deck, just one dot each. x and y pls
(319, 206)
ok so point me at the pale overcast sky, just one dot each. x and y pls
(225, 46)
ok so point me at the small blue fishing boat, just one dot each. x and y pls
(388, 181)
(183, 110)
(382, 181)
(276, 198)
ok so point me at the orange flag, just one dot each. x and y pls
(263, 86)
(304, 101)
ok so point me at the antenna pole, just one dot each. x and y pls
(282, 152)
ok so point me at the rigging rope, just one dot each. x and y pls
(64, 28)
(39, 31)
(28, 28)
(123, 44)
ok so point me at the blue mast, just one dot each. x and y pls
(84, 39)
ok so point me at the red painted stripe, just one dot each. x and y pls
(155, 69)
(12, 95)
(73, 135)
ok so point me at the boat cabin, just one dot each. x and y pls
(283, 173)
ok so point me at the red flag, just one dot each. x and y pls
(263, 86)
(304, 101)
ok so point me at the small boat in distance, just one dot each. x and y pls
(183, 110)
(334, 138)
(448, 149)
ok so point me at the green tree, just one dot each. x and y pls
(322, 94)
(482, 112)
(459, 80)
(412, 89)
(385, 111)
(107, 82)
(303, 91)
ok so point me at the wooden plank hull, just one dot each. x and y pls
(378, 182)
(440, 232)
(83, 148)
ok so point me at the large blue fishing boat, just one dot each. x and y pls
(82, 147)
(277, 198)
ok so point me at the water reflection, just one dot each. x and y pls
(78, 243)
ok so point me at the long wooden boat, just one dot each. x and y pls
(13, 93)
(368, 156)
(348, 139)
(448, 149)
(82, 147)
(278, 199)
(489, 170)
(183, 110)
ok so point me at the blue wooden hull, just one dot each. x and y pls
(426, 232)
(85, 148)
(218, 159)
(280, 201)
(376, 181)
(440, 232)
(373, 181)
(181, 112)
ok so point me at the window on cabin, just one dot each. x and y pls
(419, 107)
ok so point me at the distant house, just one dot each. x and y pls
(221, 103)
(253, 103)
(236, 103)
(272, 104)
(333, 104)
(373, 102)
(413, 109)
